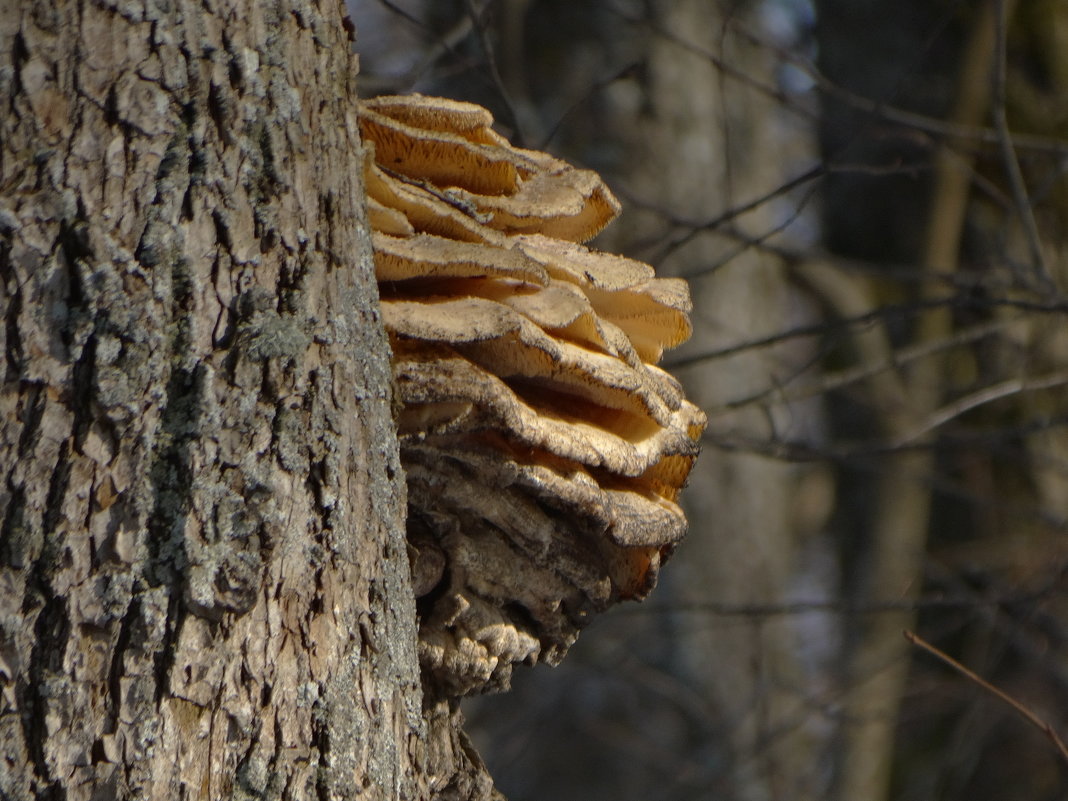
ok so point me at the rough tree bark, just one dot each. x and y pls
(204, 586)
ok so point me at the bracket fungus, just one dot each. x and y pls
(544, 450)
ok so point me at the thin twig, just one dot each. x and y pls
(890, 310)
(692, 227)
(491, 62)
(436, 46)
(1035, 720)
(932, 126)
(834, 606)
(597, 86)
(1002, 389)
(1008, 155)
(877, 109)
(403, 14)
(832, 382)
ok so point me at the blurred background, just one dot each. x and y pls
(869, 199)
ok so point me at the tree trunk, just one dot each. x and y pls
(714, 145)
(205, 588)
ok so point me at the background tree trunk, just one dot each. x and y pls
(893, 353)
(748, 524)
(204, 585)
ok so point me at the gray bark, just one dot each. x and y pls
(205, 586)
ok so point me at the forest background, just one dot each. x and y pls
(869, 201)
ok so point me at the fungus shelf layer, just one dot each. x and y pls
(544, 449)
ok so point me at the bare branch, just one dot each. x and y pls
(1043, 726)
(475, 14)
(1008, 154)
(832, 382)
(981, 397)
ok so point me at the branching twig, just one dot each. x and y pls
(933, 126)
(832, 382)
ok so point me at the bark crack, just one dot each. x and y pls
(46, 659)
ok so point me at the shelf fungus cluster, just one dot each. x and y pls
(544, 450)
